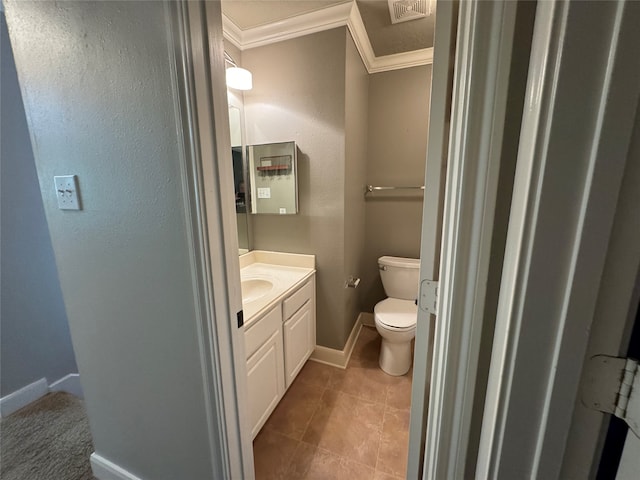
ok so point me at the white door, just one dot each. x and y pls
(572, 247)
(629, 466)
(438, 143)
(474, 44)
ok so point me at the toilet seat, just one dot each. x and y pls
(396, 314)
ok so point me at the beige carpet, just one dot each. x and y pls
(47, 440)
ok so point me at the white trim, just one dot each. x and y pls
(103, 469)
(483, 63)
(23, 397)
(69, 383)
(232, 32)
(552, 269)
(334, 357)
(360, 38)
(222, 237)
(439, 109)
(367, 319)
(345, 14)
(207, 180)
(293, 27)
(402, 60)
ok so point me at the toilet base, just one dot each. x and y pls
(395, 358)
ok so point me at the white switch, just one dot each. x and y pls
(264, 192)
(283, 211)
(67, 192)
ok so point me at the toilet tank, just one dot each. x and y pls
(400, 276)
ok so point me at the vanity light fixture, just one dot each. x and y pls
(237, 78)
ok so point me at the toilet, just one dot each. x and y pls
(396, 316)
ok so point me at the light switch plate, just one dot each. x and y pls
(67, 192)
(264, 192)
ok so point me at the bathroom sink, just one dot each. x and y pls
(255, 288)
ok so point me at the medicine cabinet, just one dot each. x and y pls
(273, 178)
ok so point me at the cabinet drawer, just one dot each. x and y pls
(261, 330)
(292, 304)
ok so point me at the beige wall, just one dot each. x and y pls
(299, 94)
(356, 126)
(397, 149)
(351, 129)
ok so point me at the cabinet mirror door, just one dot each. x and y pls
(273, 172)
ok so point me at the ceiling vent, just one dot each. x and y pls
(405, 10)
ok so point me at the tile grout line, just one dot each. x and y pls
(306, 427)
(328, 386)
(290, 462)
(380, 442)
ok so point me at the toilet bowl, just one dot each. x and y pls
(395, 321)
(396, 316)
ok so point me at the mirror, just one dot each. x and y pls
(235, 125)
(273, 178)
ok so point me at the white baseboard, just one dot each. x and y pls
(366, 318)
(23, 397)
(103, 469)
(32, 392)
(69, 384)
(334, 357)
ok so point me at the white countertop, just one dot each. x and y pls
(284, 276)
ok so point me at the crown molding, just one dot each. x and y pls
(360, 37)
(292, 27)
(402, 60)
(232, 32)
(346, 14)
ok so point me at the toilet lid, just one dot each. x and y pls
(396, 313)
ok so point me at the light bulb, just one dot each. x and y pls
(239, 78)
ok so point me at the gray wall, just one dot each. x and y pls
(97, 81)
(352, 129)
(397, 152)
(299, 94)
(35, 339)
(356, 126)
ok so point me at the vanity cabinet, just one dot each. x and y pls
(265, 368)
(277, 346)
(299, 329)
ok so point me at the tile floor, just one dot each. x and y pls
(339, 424)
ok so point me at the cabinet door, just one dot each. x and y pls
(265, 377)
(299, 341)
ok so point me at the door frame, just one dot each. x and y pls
(202, 99)
(484, 30)
(573, 150)
(483, 54)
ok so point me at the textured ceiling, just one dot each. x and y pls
(253, 13)
(386, 38)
